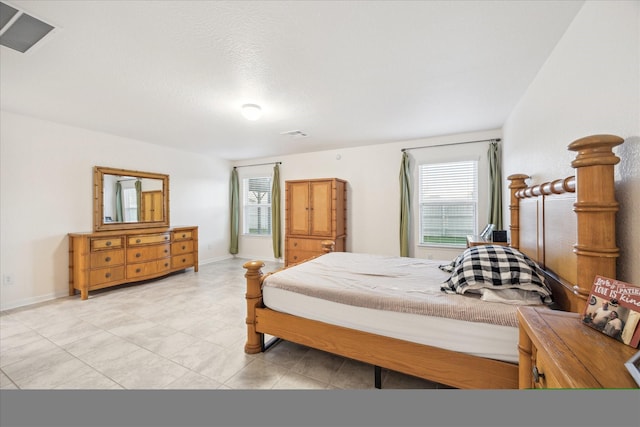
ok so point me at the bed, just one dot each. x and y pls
(566, 228)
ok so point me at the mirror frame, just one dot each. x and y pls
(98, 197)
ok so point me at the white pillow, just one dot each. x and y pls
(511, 296)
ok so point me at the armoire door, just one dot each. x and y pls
(151, 206)
(320, 194)
(298, 205)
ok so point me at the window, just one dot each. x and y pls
(130, 204)
(257, 205)
(448, 195)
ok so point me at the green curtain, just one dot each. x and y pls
(405, 204)
(139, 198)
(235, 212)
(275, 213)
(119, 212)
(495, 185)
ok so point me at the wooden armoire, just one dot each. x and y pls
(316, 210)
(151, 208)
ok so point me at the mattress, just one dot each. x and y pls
(395, 297)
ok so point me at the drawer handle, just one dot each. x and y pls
(166, 237)
(138, 240)
(184, 235)
(166, 264)
(107, 259)
(295, 257)
(184, 247)
(166, 251)
(295, 244)
(537, 375)
(138, 255)
(138, 270)
(107, 275)
(184, 260)
(108, 243)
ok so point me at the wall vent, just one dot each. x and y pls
(19, 30)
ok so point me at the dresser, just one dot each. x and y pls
(108, 258)
(315, 210)
(558, 351)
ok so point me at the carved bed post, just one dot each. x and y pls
(254, 300)
(517, 183)
(595, 208)
(328, 246)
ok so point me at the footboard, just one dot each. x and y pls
(255, 277)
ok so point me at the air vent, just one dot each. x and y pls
(20, 31)
(294, 134)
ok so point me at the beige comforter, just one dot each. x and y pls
(409, 285)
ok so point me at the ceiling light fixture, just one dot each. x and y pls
(251, 111)
(294, 133)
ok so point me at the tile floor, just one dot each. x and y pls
(185, 331)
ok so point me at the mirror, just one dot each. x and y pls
(127, 199)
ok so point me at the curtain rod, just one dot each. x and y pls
(452, 143)
(258, 164)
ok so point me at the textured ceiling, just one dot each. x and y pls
(347, 73)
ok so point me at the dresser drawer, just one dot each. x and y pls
(299, 256)
(542, 368)
(182, 235)
(182, 247)
(148, 239)
(182, 261)
(147, 253)
(148, 268)
(106, 243)
(107, 258)
(105, 275)
(313, 245)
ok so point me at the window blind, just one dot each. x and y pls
(448, 197)
(257, 205)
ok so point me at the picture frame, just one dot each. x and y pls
(613, 308)
(633, 366)
(499, 236)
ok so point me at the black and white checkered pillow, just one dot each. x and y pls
(496, 267)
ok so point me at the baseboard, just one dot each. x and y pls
(215, 259)
(261, 258)
(33, 300)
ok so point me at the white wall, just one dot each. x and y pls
(46, 192)
(590, 84)
(373, 192)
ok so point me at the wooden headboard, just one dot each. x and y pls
(569, 225)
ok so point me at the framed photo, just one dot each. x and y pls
(633, 366)
(613, 308)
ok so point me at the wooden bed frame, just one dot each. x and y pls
(541, 218)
